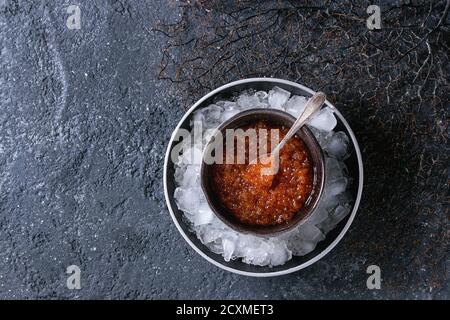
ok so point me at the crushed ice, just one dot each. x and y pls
(334, 205)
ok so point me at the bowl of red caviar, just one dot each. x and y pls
(234, 183)
(354, 165)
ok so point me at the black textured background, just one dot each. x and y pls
(86, 114)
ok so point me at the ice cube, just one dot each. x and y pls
(215, 247)
(336, 182)
(256, 256)
(187, 199)
(279, 253)
(308, 246)
(336, 186)
(204, 215)
(188, 177)
(278, 97)
(219, 225)
(246, 101)
(208, 234)
(310, 232)
(336, 216)
(345, 197)
(300, 247)
(328, 203)
(263, 97)
(253, 250)
(210, 116)
(191, 156)
(305, 239)
(197, 116)
(227, 114)
(199, 218)
(340, 213)
(337, 145)
(324, 120)
(229, 244)
(296, 105)
(322, 137)
(227, 105)
(208, 134)
(256, 252)
(332, 168)
(319, 215)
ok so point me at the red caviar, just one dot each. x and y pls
(256, 199)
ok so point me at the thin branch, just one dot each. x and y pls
(443, 17)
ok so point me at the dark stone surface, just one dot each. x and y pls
(86, 114)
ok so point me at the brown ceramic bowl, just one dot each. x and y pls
(279, 118)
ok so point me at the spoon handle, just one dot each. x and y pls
(312, 106)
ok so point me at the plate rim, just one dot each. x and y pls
(318, 256)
